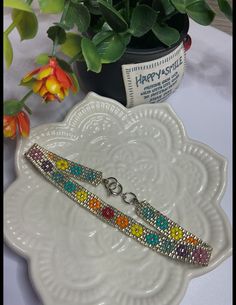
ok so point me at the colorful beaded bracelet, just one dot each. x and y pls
(168, 238)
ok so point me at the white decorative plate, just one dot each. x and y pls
(74, 258)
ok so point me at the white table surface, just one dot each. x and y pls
(204, 104)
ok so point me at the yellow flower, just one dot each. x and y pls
(176, 233)
(51, 82)
(136, 230)
(62, 164)
(82, 195)
(12, 123)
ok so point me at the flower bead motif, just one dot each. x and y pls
(191, 240)
(137, 230)
(182, 250)
(47, 166)
(69, 186)
(94, 204)
(200, 255)
(148, 213)
(62, 164)
(90, 176)
(122, 221)
(36, 154)
(76, 170)
(51, 156)
(162, 222)
(167, 246)
(58, 177)
(108, 213)
(82, 196)
(152, 239)
(176, 233)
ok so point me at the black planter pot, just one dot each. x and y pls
(109, 82)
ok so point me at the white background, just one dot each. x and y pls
(204, 104)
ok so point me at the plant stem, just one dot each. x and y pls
(127, 9)
(66, 7)
(24, 98)
(54, 46)
(27, 109)
(16, 21)
(13, 24)
(29, 1)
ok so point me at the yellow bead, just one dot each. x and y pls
(136, 230)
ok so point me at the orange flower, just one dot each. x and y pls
(191, 240)
(94, 204)
(122, 221)
(11, 122)
(51, 82)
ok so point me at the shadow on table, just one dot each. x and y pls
(210, 70)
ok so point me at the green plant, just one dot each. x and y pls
(104, 29)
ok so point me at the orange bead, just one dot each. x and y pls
(122, 221)
(191, 240)
(94, 204)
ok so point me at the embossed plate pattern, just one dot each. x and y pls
(76, 259)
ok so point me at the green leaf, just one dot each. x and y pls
(109, 46)
(113, 17)
(27, 27)
(79, 15)
(42, 59)
(225, 8)
(18, 4)
(91, 55)
(62, 25)
(27, 84)
(200, 12)
(166, 34)
(82, 20)
(56, 33)
(7, 50)
(142, 20)
(51, 6)
(106, 27)
(12, 107)
(72, 45)
(126, 37)
(93, 7)
(180, 5)
(75, 81)
(64, 65)
(167, 7)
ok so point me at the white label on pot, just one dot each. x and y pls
(153, 81)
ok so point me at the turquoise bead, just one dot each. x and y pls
(90, 176)
(58, 177)
(76, 170)
(162, 222)
(167, 246)
(147, 213)
(152, 239)
(69, 186)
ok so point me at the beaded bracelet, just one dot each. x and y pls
(168, 238)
